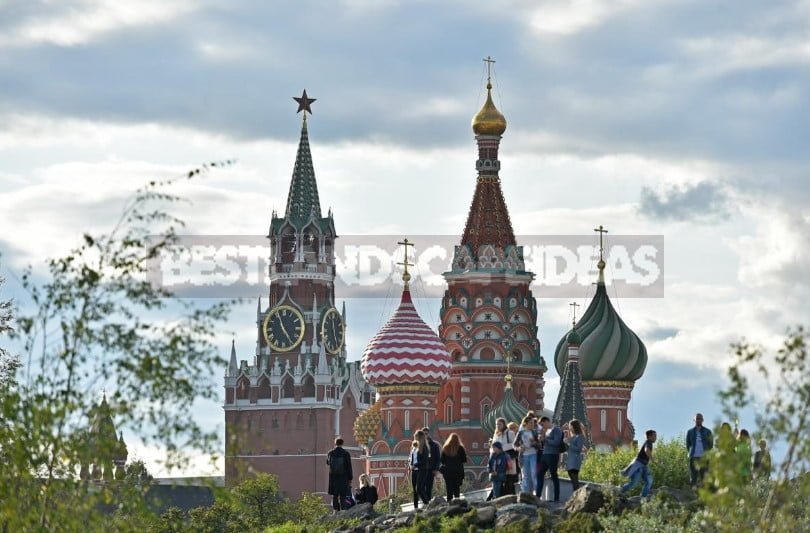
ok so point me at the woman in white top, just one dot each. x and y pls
(526, 442)
(506, 437)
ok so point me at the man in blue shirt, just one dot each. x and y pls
(552, 437)
(699, 441)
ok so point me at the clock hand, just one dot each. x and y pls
(284, 330)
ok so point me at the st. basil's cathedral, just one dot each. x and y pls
(283, 411)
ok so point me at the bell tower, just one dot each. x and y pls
(285, 408)
(488, 312)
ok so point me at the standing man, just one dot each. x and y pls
(550, 457)
(699, 441)
(435, 461)
(340, 474)
(639, 469)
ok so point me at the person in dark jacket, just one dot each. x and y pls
(419, 465)
(435, 462)
(367, 493)
(552, 437)
(497, 468)
(453, 458)
(340, 474)
(699, 440)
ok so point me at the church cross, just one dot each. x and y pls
(574, 306)
(489, 61)
(601, 231)
(406, 277)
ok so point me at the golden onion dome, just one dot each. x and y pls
(489, 121)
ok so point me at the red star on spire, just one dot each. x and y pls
(304, 102)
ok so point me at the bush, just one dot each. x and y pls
(659, 515)
(670, 466)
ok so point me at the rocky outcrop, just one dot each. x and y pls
(510, 510)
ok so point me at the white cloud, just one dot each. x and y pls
(566, 17)
(78, 22)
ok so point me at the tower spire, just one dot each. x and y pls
(232, 366)
(302, 200)
(488, 220)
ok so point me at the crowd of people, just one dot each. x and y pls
(522, 455)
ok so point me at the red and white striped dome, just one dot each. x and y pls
(405, 351)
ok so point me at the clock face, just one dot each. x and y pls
(283, 328)
(332, 331)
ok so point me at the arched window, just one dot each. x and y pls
(603, 420)
(264, 388)
(487, 354)
(448, 411)
(407, 420)
(619, 420)
(308, 390)
(242, 389)
(287, 388)
(426, 418)
(486, 407)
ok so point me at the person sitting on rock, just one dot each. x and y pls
(367, 493)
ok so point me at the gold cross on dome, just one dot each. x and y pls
(406, 277)
(489, 61)
(601, 231)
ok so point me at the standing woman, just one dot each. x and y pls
(527, 443)
(576, 447)
(743, 453)
(420, 468)
(507, 439)
(453, 458)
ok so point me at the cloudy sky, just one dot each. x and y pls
(685, 119)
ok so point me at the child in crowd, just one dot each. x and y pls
(497, 468)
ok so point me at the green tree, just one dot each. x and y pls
(136, 472)
(222, 517)
(261, 502)
(782, 400)
(95, 321)
(308, 509)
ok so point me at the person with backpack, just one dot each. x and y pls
(340, 475)
(553, 446)
(367, 493)
(527, 443)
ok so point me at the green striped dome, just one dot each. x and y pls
(509, 409)
(609, 350)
